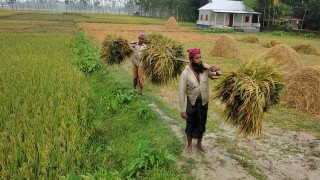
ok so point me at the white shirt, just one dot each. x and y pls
(190, 86)
(137, 52)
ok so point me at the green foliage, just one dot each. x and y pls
(286, 25)
(278, 33)
(148, 157)
(219, 30)
(296, 34)
(145, 113)
(112, 142)
(119, 97)
(249, 92)
(86, 57)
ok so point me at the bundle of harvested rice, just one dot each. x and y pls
(303, 90)
(157, 65)
(115, 49)
(250, 39)
(270, 44)
(305, 49)
(153, 37)
(225, 46)
(248, 93)
(171, 24)
(286, 57)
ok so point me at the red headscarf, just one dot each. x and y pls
(193, 52)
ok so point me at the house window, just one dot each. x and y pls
(206, 17)
(247, 19)
(201, 17)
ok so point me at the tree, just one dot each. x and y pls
(11, 2)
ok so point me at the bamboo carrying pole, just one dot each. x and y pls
(216, 73)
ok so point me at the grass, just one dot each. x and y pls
(124, 127)
(43, 107)
(58, 122)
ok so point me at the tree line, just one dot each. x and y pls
(274, 12)
(306, 13)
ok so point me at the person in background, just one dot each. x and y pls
(137, 72)
(194, 84)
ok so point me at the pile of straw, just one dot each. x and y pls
(286, 58)
(250, 39)
(270, 44)
(305, 49)
(303, 90)
(115, 49)
(248, 93)
(225, 46)
(157, 65)
(171, 24)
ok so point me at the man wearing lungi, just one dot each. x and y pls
(194, 84)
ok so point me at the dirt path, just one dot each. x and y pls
(215, 164)
(278, 154)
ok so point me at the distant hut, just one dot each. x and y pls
(136, 13)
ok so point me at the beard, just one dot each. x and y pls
(198, 68)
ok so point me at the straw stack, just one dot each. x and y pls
(286, 58)
(225, 46)
(250, 39)
(270, 44)
(306, 49)
(171, 24)
(303, 89)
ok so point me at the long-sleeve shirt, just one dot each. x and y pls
(190, 86)
(137, 51)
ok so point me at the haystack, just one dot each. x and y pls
(250, 39)
(171, 24)
(305, 49)
(303, 90)
(286, 58)
(248, 93)
(158, 66)
(225, 46)
(272, 43)
(115, 49)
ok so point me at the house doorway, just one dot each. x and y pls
(230, 20)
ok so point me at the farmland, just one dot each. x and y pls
(57, 122)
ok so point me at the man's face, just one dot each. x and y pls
(197, 59)
(140, 40)
(196, 64)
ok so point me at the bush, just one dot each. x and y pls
(86, 57)
(148, 157)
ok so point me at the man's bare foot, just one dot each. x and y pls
(141, 93)
(201, 148)
(189, 150)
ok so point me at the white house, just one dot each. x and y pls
(222, 14)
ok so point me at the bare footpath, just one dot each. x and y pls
(278, 154)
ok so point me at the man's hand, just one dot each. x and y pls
(214, 68)
(184, 115)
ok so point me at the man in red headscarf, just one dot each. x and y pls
(194, 84)
(137, 69)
